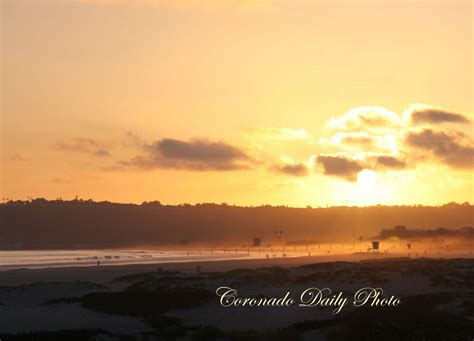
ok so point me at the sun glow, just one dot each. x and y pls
(366, 179)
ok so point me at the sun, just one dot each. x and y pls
(366, 178)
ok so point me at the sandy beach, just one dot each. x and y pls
(178, 300)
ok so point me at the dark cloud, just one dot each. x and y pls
(339, 165)
(435, 115)
(197, 154)
(297, 169)
(371, 136)
(452, 149)
(392, 162)
(197, 150)
(82, 145)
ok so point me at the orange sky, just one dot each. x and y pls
(247, 102)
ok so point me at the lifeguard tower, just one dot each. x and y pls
(375, 247)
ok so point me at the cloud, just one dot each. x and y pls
(132, 140)
(340, 165)
(363, 141)
(18, 157)
(61, 180)
(453, 149)
(366, 118)
(420, 113)
(389, 162)
(179, 4)
(82, 145)
(359, 139)
(102, 153)
(298, 169)
(196, 154)
(347, 166)
(286, 165)
(378, 139)
(278, 134)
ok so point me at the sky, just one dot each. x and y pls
(245, 102)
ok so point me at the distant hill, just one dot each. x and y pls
(402, 232)
(87, 224)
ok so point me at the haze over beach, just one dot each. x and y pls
(236, 170)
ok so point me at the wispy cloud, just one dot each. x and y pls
(83, 145)
(278, 133)
(18, 157)
(179, 4)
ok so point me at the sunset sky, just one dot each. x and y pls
(246, 102)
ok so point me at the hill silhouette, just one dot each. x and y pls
(43, 224)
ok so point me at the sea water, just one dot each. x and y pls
(66, 258)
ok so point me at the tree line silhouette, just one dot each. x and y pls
(40, 223)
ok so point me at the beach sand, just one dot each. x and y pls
(178, 300)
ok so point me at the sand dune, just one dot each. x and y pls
(175, 299)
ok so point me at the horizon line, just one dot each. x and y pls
(31, 200)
